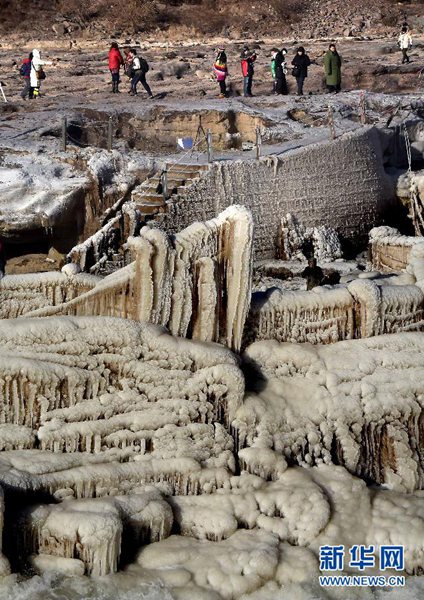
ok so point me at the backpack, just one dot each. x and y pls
(25, 69)
(144, 65)
(136, 64)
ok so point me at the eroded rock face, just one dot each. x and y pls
(312, 183)
(58, 199)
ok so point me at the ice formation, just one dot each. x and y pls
(119, 391)
(365, 307)
(121, 434)
(93, 532)
(356, 403)
(324, 241)
(334, 508)
(21, 294)
(323, 315)
(390, 250)
(114, 434)
(197, 283)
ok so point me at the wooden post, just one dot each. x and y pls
(331, 123)
(165, 184)
(2, 92)
(110, 135)
(64, 138)
(258, 142)
(363, 108)
(209, 143)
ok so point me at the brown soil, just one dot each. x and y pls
(32, 263)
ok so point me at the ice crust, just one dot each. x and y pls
(357, 403)
(128, 442)
(256, 559)
(95, 385)
(197, 283)
(134, 435)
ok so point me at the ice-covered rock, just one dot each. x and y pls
(232, 567)
(390, 250)
(323, 240)
(356, 403)
(71, 269)
(180, 281)
(91, 531)
(350, 513)
(293, 508)
(120, 391)
(22, 294)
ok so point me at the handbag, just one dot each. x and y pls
(40, 74)
(296, 71)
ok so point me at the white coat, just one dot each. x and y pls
(405, 41)
(36, 63)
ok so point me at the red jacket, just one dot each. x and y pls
(247, 65)
(115, 59)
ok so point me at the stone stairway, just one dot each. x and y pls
(148, 196)
(149, 203)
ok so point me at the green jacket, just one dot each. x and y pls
(332, 67)
(273, 71)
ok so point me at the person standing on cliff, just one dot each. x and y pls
(247, 60)
(115, 63)
(300, 63)
(25, 72)
(405, 43)
(221, 71)
(333, 69)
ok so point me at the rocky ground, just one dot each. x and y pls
(183, 69)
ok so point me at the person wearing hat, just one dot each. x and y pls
(280, 72)
(221, 71)
(247, 60)
(300, 63)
